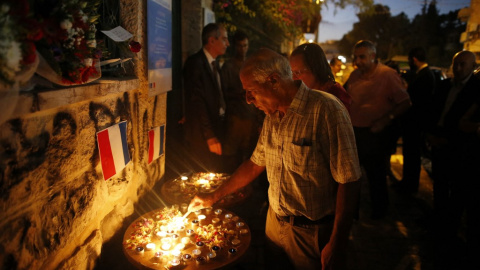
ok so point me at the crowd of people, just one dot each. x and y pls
(315, 135)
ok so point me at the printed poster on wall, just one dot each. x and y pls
(159, 31)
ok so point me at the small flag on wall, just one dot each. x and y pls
(155, 146)
(112, 145)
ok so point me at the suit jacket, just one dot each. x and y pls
(202, 101)
(465, 99)
(420, 88)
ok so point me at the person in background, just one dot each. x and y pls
(336, 65)
(204, 101)
(308, 149)
(378, 97)
(309, 64)
(452, 182)
(420, 89)
(243, 120)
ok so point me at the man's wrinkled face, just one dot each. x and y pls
(363, 58)
(220, 43)
(260, 95)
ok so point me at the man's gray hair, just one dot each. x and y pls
(266, 62)
(366, 44)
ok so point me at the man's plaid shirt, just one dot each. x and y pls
(306, 153)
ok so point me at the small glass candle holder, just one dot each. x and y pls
(139, 250)
(176, 254)
(236, 242)
(215, 220)
(161, 234)
(166, 246)
(199, 244)
(180, 246)
(184, 208)
(175, 237)
(235, 218)
(185, 240)
(198, 212)
(211, 255)
(150, 246)
(195, 222)
(200, 260)
(208, 210)
(215, 249)
(232, 252)
(243, 231)
(228, 216)
(175, 262)
(218, 212)
(190, 232)
(186, 257)
(196, 252)
(176, 206)
(202, 219)
(158, 254)
(240, 224)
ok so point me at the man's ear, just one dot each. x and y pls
(273, 78)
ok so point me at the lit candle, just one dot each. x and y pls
(158, 254)
(185, 240)
(176, 254)
(200, 244)
(184, 178)
(201, 219)
(150, 246)
(161, 234)
(194, 223)
(228, 216)
(240, 224)
(175, 262)
(198, 212)
(190, 232)
(235, 218)
(166, 246)
(243, 231)
(180, 246)
(208, 210)
(218, 212)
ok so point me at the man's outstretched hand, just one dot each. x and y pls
(200, 201)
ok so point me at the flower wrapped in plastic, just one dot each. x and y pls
(18, 32)
(68, 49)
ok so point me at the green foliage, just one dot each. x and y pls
(438, 34)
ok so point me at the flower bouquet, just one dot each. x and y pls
(68, 49)
(18, 57)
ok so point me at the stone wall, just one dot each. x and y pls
(55, 208)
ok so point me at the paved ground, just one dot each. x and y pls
(400, 241)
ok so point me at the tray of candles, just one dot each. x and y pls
(185, 187)
(167, 239)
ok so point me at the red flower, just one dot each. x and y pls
(29, 54)
(134, 46)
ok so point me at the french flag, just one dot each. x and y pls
(112, 145)
(155, 147)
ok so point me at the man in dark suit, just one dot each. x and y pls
(421, 84)
(204, 101)
(451, 101)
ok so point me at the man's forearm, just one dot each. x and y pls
(243, 176)
(347, 201)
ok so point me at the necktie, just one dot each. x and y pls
(220, 92)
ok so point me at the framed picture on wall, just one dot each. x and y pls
(159, 31)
